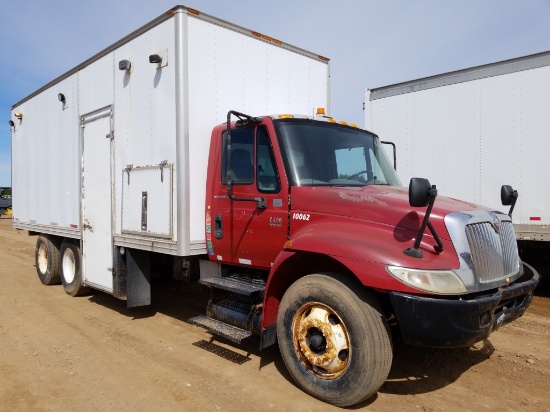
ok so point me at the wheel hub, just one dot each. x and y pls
(42, 258)
(321, 340)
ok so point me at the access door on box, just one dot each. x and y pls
(97, 216)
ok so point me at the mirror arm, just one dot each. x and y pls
(415, 250)
(394, 153)
(439, 247)
(514, 199)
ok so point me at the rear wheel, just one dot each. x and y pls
(46, 258)
(71, 273)
(334, 342)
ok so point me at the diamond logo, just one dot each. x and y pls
(495, 224)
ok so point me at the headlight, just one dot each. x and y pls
(444, 282)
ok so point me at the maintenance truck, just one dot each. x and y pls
(163, 152)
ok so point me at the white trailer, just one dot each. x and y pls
(473, 130)
(113, 154)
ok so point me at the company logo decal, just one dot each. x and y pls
(495, 224)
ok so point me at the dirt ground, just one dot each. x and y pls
(93, 354)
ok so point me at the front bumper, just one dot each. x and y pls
(446, 323)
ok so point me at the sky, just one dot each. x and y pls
(370, 43)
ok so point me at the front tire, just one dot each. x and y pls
(71, 273)
(46, 259)
(334, 342)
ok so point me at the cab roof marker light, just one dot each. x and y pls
(193, 11)
(354, 125)
(323, 58)
(330, 119)
(285, 116)
(255, 33)
(344, 123)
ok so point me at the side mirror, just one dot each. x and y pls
(422, 193)
(419, 192)
(508, 197)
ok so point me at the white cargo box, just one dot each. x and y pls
(473, 130)
(119, 145)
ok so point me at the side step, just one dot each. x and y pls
(232, 285)
(232, 333)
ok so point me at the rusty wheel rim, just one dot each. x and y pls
(321, 340)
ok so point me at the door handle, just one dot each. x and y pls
(218, 229)
(87, 225)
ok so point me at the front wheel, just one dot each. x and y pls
(334, 342)
(71, 273)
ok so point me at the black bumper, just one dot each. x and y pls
(446, 323)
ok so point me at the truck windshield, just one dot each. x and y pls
(326, 154)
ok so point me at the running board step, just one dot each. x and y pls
(232, 285)
(229, 332)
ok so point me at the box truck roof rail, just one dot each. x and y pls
(532, 61)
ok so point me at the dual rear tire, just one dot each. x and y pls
(58, 261)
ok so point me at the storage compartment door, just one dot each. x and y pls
(147, 194)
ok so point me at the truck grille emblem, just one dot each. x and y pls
(495, 224)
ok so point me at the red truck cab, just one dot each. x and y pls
(312, 232)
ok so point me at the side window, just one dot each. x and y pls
(242, 155)
(267, 177)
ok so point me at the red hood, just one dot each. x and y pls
(381, 204)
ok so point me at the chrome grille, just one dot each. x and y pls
(494, 254)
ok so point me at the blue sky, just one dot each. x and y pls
(370, 43)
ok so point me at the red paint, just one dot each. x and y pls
(534, 218)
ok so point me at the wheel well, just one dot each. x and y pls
(302, 264)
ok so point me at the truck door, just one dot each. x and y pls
(97, 247)
(241, 232)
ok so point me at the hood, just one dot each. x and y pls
(387, 205)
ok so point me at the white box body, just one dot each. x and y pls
(471, 131)
(126, 154)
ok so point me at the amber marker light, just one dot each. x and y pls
(288, 244)
(285, 116)
(320, 111)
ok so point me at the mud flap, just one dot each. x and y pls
(138, 271)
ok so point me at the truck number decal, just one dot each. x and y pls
(300, 216)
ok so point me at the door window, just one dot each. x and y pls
(242, 153)
(267, 176)
(242, 160)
